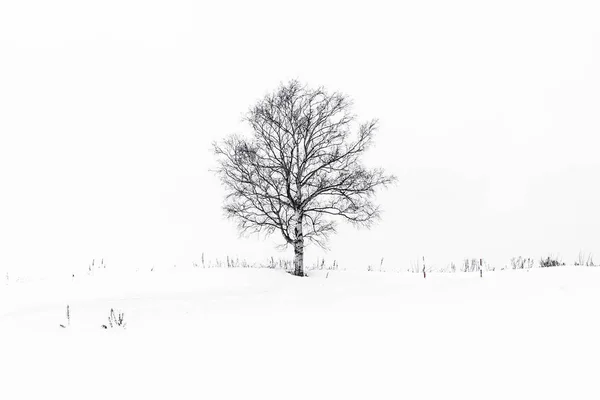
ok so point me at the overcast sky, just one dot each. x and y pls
(489, 114)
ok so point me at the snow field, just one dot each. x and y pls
(233, 333)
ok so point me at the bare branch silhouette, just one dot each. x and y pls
(301, 168)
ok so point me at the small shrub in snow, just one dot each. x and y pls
(550, 261)
(470, 265)
(585, 260)
(231, 262)
(115, 320)
(521, 263)
(321, 265)
(475, 265)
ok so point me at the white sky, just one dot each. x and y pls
(489, 115)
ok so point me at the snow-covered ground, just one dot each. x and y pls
(264, 334)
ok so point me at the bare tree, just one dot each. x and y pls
(300, 169)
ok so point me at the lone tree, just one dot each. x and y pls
(300, 169)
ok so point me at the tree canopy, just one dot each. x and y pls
(301, 168)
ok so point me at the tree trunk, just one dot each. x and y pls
(298, 247)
